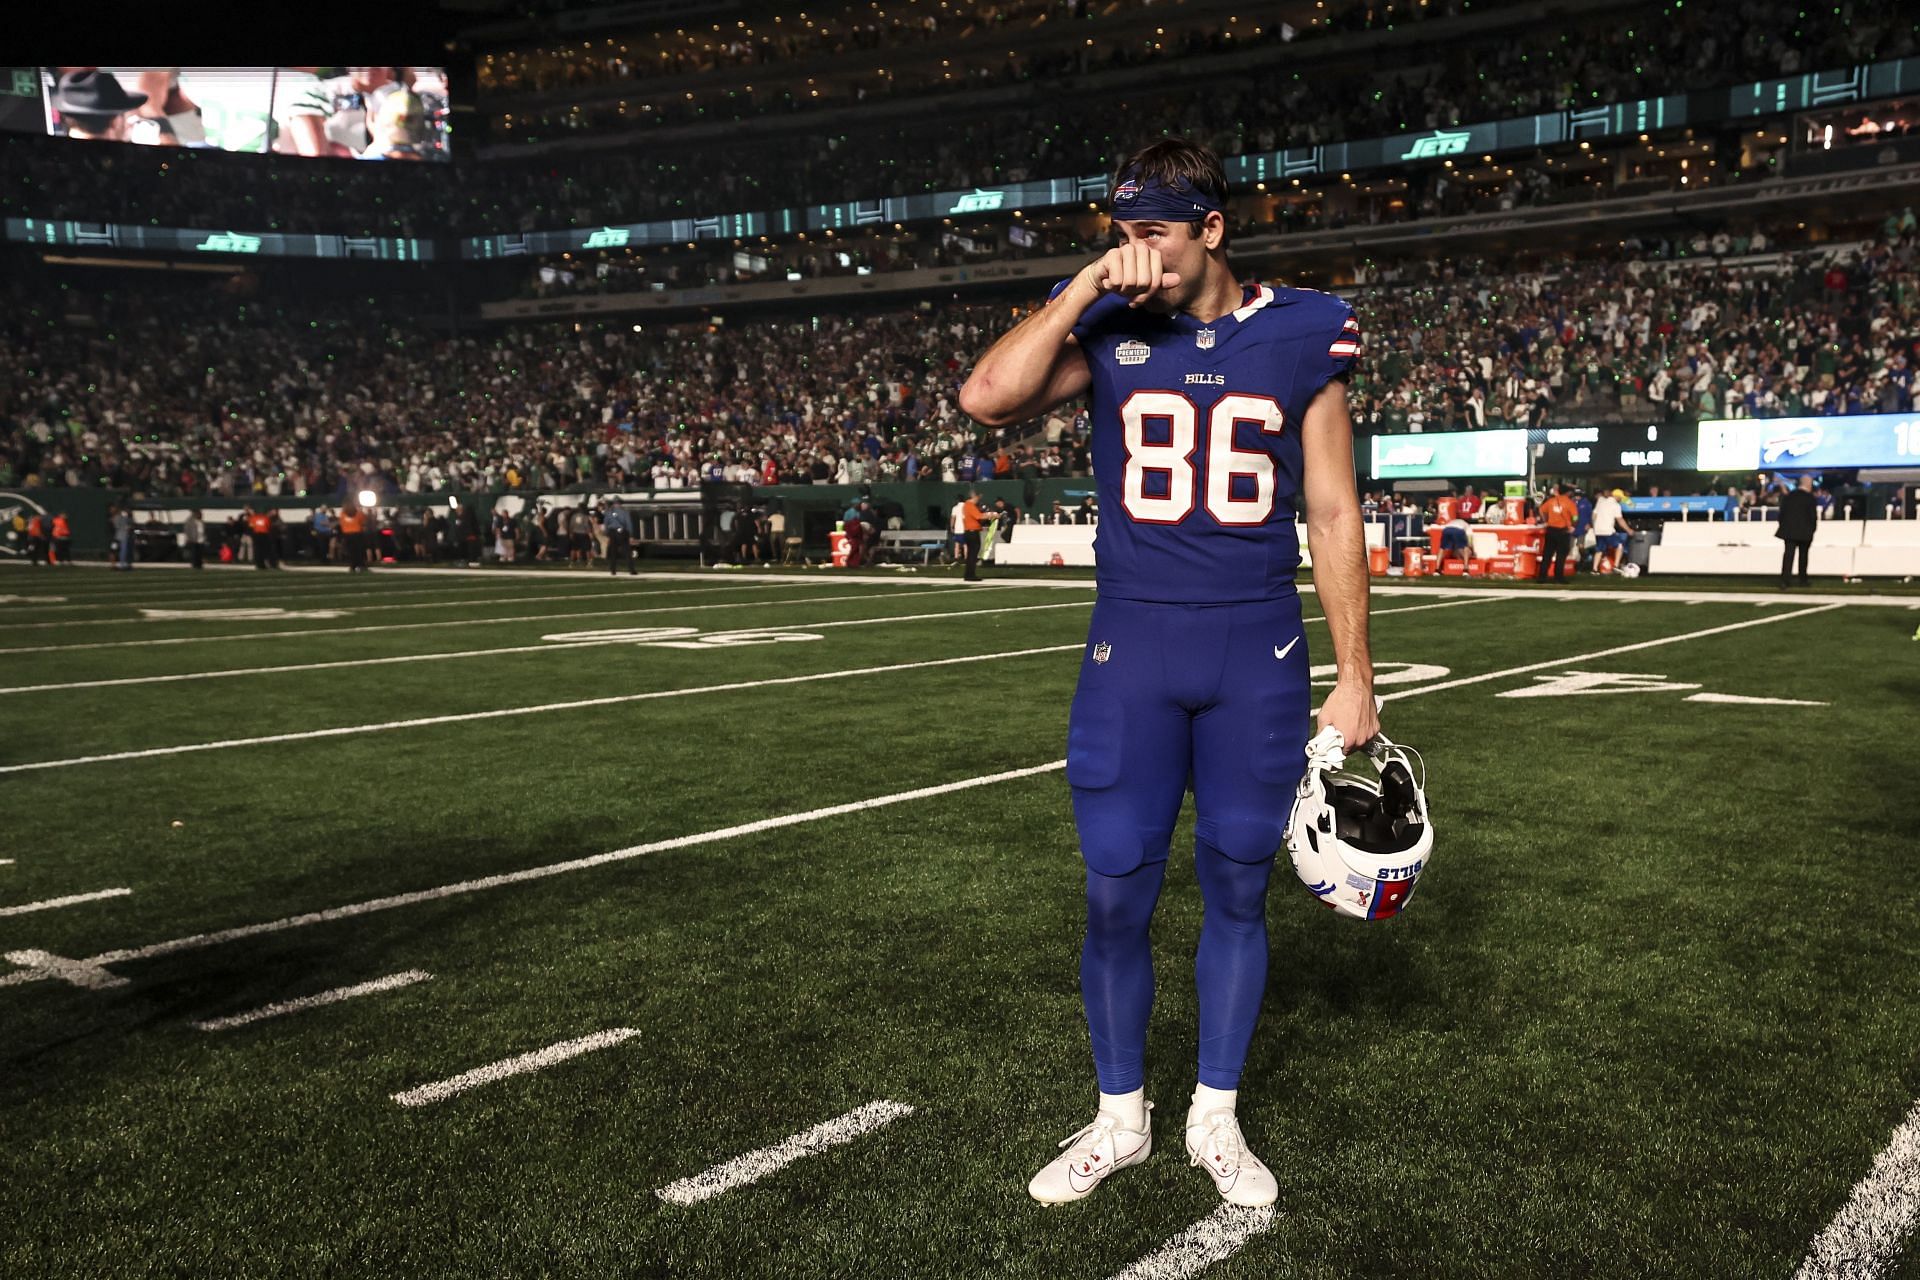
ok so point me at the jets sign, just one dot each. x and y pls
(1440, 144)
(979, 201)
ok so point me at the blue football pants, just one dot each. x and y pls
(1215, 697)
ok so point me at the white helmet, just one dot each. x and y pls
(1359, 843)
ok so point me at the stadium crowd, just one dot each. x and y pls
(1647, 337)
(203, 393)
(1620, 51)
(1060, 135)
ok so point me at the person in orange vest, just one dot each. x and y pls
(266, 550)
(353, 529)
(62, 538)
(1557, 514)
(37, 539)
(971, 518)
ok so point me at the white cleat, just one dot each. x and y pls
(1092, 1154)
(1215, 1144)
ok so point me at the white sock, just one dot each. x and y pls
(1207, 1098)
(1130, 1108)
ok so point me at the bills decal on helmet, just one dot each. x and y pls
(1360, 843)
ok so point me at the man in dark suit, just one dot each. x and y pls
(1799, 517)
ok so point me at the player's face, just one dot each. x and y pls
(1181, 251)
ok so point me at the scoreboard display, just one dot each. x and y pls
(1579, 450)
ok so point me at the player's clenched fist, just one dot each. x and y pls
(1133, 271)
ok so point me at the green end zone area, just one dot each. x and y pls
(1653, 1011)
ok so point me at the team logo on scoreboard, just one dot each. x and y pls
(1132, 352)
(979, 201)
(229, 242)
(1442, 143)
(608, 238)
(1204, 339)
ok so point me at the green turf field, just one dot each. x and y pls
(1654, 1012)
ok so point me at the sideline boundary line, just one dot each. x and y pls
(1866, 1235)
(1380, 587)
(755, 1165)
(50, 966)
(391, 982)
(538, 1060)
(552, 646)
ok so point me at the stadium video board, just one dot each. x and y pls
(1432, 455)
(348, 113)
(1577, 450)
(1809, 444)
(55, 233)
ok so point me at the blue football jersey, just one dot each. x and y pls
(1196, 440)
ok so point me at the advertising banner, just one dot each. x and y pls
(59, 233)
(1441, 454)
(1809, 444)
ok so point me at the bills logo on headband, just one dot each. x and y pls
(1127, 191)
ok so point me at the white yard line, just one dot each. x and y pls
(1602, 653)
(454, 622)
(578, 704)
(538, 1060)
(556, 647)
(335, 996)
(71, 900)
(352, 605)
(1866, 1237)
(1214, 1238)
(755, 1165)
(46, 966)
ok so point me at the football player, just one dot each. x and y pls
(1218, 410)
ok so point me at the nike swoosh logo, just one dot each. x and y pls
(1278, 652)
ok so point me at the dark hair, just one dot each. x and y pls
(1173, 161)
(87, 123)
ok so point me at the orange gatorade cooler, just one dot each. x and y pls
(1415, 561)
(1476, 568)
(1501, 566)
(1526, 563)
(841, 547)
(1378, 559)
(1452, 569)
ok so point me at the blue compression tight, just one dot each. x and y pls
(1230, 972)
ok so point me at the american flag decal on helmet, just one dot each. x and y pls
(1347, 345)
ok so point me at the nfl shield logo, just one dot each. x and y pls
(1204, 339)
(1102, 651)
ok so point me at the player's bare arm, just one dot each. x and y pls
(1039, 364)
(1338, 540)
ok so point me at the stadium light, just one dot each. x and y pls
(366, 498)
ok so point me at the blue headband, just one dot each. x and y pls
(1138, 199)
